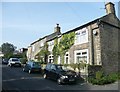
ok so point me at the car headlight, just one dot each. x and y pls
(63, 77)
(75, 75)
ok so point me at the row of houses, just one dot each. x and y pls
(95, 43)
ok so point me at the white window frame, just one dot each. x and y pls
(50, 57)
(66, 57)
(59, 61)
(50, 45)
(81, 38)
(81, 55)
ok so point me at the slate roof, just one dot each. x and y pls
(56, 34)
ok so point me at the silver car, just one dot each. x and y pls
(14, 62)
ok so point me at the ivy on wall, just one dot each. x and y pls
(55, 50)
(43, 54)
(66, 41)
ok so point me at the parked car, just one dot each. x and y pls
(14, 62)
(59, 73)
(4, 61)
(32, 66)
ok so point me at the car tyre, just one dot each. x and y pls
(10, 65)
(45, 76)
(59, 81)
(20, 65)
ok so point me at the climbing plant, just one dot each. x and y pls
(55, 50)
(43, 54)
(66, 41)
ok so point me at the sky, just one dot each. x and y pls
(25, 22)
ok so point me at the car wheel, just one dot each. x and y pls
(20, 65)
(10, 65)
(45, 76)
(59, 81)
(29, 71)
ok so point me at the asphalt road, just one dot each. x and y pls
(15, 79)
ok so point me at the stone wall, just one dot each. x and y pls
(76, 47)
(96, 47)
(109, 47)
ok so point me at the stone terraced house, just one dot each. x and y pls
(97, 42)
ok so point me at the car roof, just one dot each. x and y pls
(14, 58)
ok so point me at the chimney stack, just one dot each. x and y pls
(110, 8)
(57, 28)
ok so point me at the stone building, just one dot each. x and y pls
(96, 43)
(37, 45)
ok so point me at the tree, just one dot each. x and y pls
(7, 49)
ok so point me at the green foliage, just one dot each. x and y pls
(23, 60)
(7, 49)
(55, 50)
(74, 66)
(66, 42)
(103, 79)
(99, 75)
(60, 48)
(43, 53)
(66, 65)
(81, 65)
(118, 76)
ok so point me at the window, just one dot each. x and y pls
(66, 58)
(78, 53)
(66, 54)
(78, 33)
(50, 45)
(81, 55)
(33, 48)
(83, 32)
(84, 53)
(81, 36)
(50, 58)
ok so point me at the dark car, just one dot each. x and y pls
(32, 66)
(59, 73)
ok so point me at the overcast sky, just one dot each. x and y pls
(25, 22)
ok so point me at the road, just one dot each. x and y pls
(15, 79)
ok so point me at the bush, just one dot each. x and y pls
(74, 66)
(99, 74)
(101, 80)
(23, 60)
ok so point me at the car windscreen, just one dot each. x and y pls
(36, 64)
(15, 59)
(62, 68)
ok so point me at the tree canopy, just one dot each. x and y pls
(7, 49)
